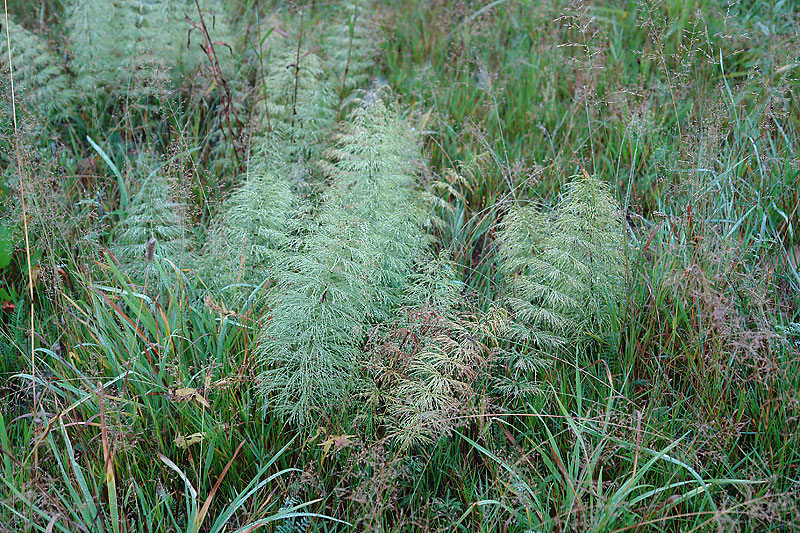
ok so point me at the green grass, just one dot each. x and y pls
(140, 410)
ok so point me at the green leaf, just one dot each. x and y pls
(6, 246)
(123, 190)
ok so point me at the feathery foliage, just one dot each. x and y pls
(39, 77)
(566, 271)
(253, 229)
(422, 364)
(154, 228)
(434, 283)
(136, 48)
(375, 154)
(293, 125)
(113, 43)
(343, 272)
(663, 399)
(427, 367)
(296, 119)
(310, 343)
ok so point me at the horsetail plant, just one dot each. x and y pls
(565, 272)
(345, 271)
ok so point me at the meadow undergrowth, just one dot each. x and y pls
(515, 265)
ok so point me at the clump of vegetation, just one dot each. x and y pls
(297, 117)
(424, 364)
(254, 228)
(345, 270)
(352, 47)
(136, 48)
(566, 271)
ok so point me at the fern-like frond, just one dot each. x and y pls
(375, 154)
(565, 271)
(154, 227)
(346, 269)
(253, 229)
(296, 120)
(434, 283)
(423, 363)
(40, 79)
(138, 48)
(114, 42)
(319, 309)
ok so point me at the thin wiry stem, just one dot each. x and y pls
(297, 67)
(349, 56)
(24, 219)
(263, 74)
(225, 93)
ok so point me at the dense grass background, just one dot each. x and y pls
(683, 416)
